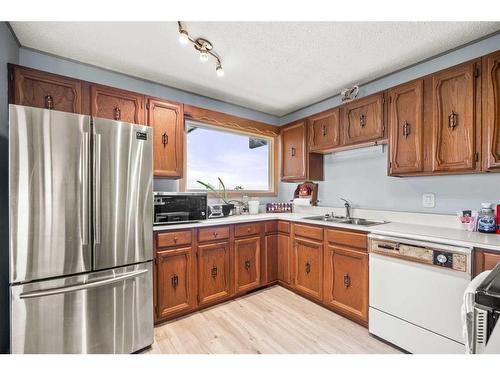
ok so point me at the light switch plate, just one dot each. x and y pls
(429, 200)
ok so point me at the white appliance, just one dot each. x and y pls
(416, 293)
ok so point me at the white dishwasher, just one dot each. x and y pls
(416, 293)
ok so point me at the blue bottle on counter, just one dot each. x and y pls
(487, 222)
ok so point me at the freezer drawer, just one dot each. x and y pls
(101, 312)
(123, 193)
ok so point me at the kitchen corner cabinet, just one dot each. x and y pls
(297, 164)
(167, 120)
(324, 131)
(491, 111)
(346, 274)
(175, 282)
(406, 126)
(115, 104)
(308, 267)
(246, 263)
(34, 88)
(214, 277)
(362, 120)
(454, 123)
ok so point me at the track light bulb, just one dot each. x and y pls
(203, 55)
(183, 37)
(219, 71)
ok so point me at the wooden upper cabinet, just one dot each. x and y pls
(175, 282)
(406, 124)
(214, 283)
(491, 111)
(115, 104)
(362, 121)
(308, 267)
(296, 162)
(324, 131)
(167, 120)
(246, 263)
(454, 119)
(45, 90)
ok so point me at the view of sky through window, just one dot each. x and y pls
(238, 159)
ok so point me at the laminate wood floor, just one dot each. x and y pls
(270, 321)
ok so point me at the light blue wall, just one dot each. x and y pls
(9, 53)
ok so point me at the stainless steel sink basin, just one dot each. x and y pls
(344, 220)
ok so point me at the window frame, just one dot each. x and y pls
(273, 161)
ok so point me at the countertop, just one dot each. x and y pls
(438, 234)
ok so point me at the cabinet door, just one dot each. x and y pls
(270, 266)
(284, 258)
(44, 90)
(324, 130)
(485, 260)
(213, 272)
(308, 267)
(491, 114)
(293, 152)
(247, 263)
(167, 120)
(176, 282)
(454, 126)
(363, 120)
(346, 282)
(406, 126)
(115, 104)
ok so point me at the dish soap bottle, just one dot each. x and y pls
(487, 222)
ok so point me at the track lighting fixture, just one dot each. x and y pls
(203, 46)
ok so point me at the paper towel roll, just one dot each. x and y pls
(302, 201)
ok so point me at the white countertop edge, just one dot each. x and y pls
(443, 235)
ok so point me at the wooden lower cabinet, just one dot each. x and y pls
(308, 267)
(284, 258)
(176, 282)
(214, 277)
(269, 269)
(346, 281)
(246, 264)
(485, 260)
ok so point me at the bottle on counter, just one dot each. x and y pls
(498, 218)
(487, 222)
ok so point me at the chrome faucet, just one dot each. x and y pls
(347, 206)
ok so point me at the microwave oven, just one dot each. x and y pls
(175, 208)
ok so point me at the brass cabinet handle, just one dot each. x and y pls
(247, 265)
(406, 129)
(49, 102)
(308, 267)
(117, 113)
(215, 234)
(323, 130)
(175, 239)
(164, 139)
(213, 272)
(362, 120)
(175, 281)
(453, 120)
(293, 151)
(347, 280)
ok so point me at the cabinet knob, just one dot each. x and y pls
(406, 129)
(117, 113)
(164, 139)
(308, 267)
(293, 151)
(247, 265)
(49, 102)
(362, 120)
(323, 130)
(453, 120)
(213, 272)
(175, 281)
(175, 239)
(215, 234)
(347, 280)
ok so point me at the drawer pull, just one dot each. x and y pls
(308, 267)
(347, 280)
(49, 102)
(164, 139)
(362, 120)
(247, 265)
(293, 151)
(323, 130)
(453, 120)
(214, 272)
(175, 281)
(215, 234)
(175, 239)
(406, 129)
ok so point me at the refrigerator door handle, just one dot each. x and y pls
(84, 162)
(97, 192)
(74, 288)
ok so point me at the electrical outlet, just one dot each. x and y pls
(428, 200)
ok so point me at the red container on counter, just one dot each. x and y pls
(498, 218)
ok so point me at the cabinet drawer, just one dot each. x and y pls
(283, 226)
(168, 239)
(212, 234)
(271, 226)
(308, 231)
(350, 239)
(249, 229)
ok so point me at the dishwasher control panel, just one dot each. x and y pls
(454, 258)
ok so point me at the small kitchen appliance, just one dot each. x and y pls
(175, 208)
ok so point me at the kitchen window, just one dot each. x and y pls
(244, 161)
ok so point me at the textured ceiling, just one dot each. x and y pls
(273, 67)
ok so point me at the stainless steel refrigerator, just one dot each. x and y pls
(80, 233)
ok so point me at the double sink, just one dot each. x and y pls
(345, 220)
